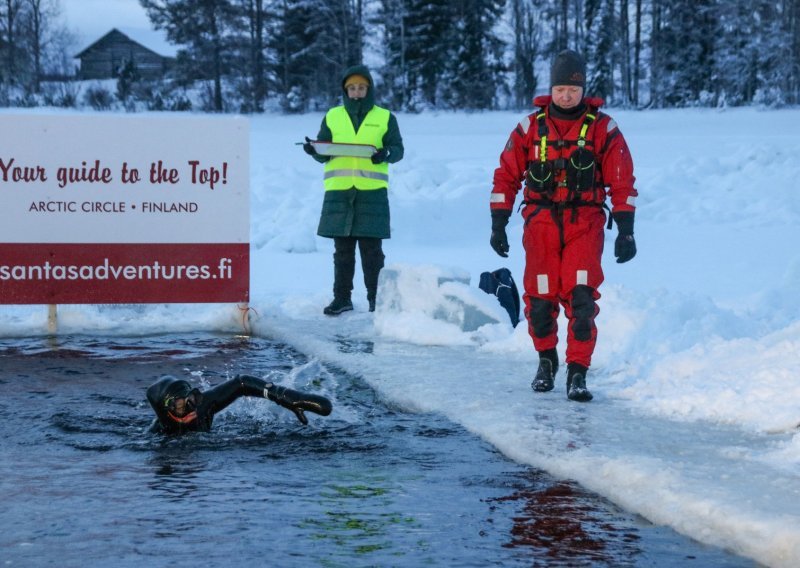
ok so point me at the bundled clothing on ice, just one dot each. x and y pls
(181, 408)
(500, 283)
(355, 210)
(572, 162)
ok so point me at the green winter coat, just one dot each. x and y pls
(350, 212)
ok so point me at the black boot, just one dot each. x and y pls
(545, 374)
(576, 383)
(337, 306)
(372, 259)
(344, 266)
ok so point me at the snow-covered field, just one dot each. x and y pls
(697, 399)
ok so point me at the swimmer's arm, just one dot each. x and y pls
(248, 385)
(222, 395)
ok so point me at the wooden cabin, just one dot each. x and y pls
(106, 57)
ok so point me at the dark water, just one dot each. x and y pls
(83, 484)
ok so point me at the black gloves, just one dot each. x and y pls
(625, 245)
(380, 156)
(308, 148)
(298, 402)
(499, 240)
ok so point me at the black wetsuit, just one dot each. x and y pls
(208, 403)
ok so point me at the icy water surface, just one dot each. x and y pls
(83, 484)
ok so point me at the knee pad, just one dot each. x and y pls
(583, 312)
(541, 317)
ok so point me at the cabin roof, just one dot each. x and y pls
(153, 40)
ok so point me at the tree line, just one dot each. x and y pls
(34, 44)
(465, 54)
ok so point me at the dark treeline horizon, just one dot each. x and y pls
(248, 55)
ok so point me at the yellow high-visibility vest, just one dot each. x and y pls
(344, 172)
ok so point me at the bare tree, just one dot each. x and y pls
(791, 10)
(255, 14)
(625, 51)
(637, 52)
(9, 26)
(344, 21)
(42, 33)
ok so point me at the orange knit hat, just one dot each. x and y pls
(356, 79)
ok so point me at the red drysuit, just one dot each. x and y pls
(563, 205)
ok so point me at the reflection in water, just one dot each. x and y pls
(569, 526)
(175, 474)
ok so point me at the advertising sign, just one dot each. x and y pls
(123, 209)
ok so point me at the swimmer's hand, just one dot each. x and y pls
(298, 402)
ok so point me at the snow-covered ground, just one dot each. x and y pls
(697, 399)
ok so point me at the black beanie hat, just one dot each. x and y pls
(569, 68)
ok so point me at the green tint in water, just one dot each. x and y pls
(359, 518)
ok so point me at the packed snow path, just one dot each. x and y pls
(702, 479)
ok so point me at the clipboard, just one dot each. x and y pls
(343, 149)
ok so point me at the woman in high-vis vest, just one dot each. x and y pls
(356, 205)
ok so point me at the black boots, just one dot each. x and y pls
(372, 258)
(576, 383)
(544, 380)
(340, 305)
(344, 265)
(546, 373)
(337, 306)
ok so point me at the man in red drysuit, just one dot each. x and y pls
(571, 156)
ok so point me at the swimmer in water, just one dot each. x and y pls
(180, 408)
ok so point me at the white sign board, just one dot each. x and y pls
(98, 209)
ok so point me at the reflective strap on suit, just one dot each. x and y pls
(356, 173)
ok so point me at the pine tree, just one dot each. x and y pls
(476, 74)
(391, 16)
(249, 30)
(314, 41)
(601, 31)
(527, 34)
(773, 54)
(338, 25)
(686, 48)
(734, 84)
(417, 45)
(791, 11)
(202, 26)
(431, 36)
(293, 45)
